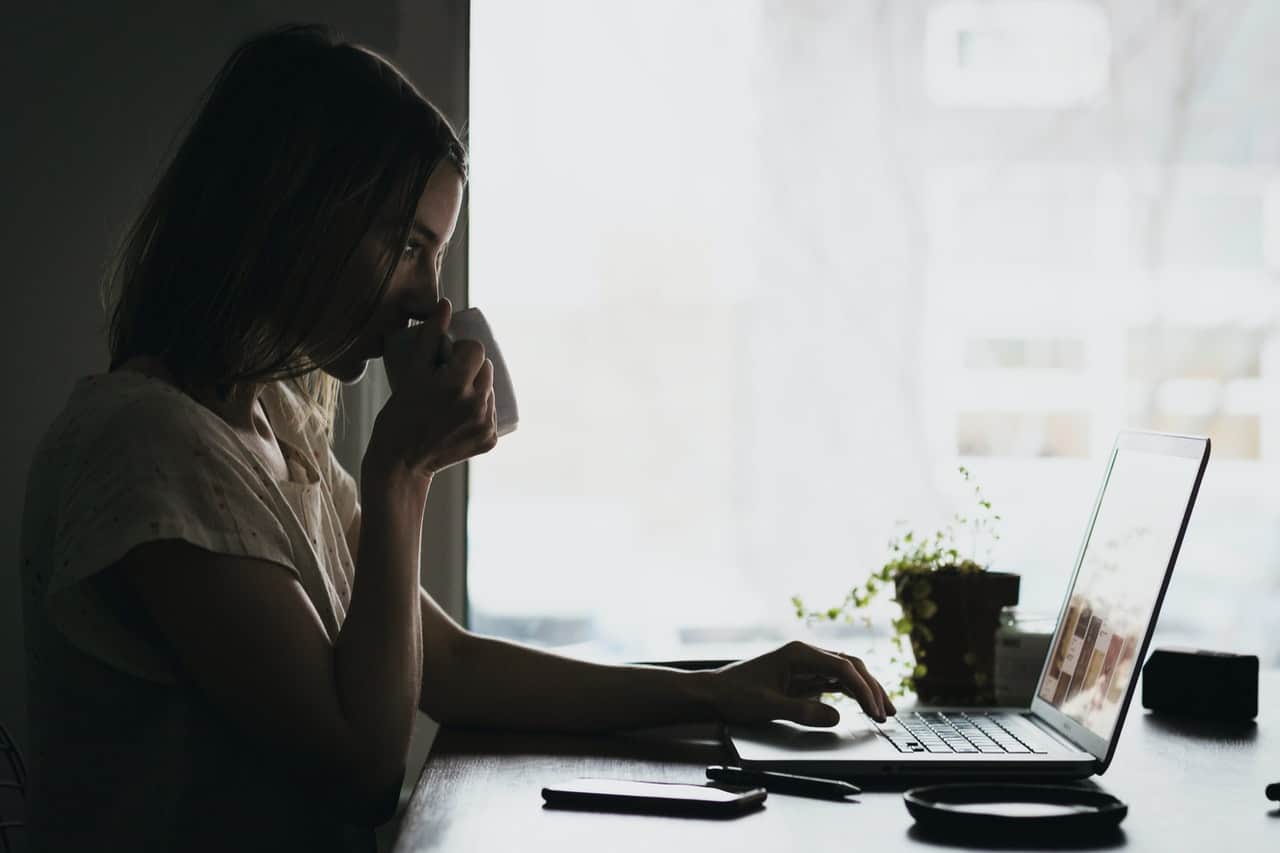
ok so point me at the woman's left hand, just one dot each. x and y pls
(785, 684)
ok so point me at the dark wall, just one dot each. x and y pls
(94, 96)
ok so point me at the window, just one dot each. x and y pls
(765, 274)
(1016, 53)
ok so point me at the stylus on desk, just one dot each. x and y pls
(783, 783)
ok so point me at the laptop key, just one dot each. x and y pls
(939, 732)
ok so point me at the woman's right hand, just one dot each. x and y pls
(439, 414)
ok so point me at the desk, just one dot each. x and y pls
(1189, 786)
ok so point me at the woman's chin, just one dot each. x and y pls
(349, 372)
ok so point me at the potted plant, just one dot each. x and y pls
(950, 607)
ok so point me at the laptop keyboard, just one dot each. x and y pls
(936, 731)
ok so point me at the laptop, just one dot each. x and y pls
(1087, 681)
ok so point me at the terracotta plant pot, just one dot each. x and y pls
(957, 643)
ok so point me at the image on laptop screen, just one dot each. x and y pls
(1114, 595)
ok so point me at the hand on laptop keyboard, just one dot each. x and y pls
(786, 684)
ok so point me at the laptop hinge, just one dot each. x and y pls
(1062, 739)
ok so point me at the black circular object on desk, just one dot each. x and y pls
(974, 810)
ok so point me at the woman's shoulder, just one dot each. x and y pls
(143, 406)
(123, 416)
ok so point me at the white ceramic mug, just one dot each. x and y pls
(403, 353)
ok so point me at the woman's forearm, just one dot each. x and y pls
(378, 655)
(493, 683)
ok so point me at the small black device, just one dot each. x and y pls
(784, 783)
(620, 795)
(1273, 791)
(1199, 683)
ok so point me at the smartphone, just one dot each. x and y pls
(618, 795)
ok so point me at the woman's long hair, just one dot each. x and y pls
(239, 268)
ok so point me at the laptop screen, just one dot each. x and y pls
(1121, 572)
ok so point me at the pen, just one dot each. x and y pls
(783, 783)
(1273, 791)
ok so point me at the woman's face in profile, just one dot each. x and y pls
(414, 289)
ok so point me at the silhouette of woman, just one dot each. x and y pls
(227, 640)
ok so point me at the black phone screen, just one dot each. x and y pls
(669, 797)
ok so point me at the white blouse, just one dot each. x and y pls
(127, 754)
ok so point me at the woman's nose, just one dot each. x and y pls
(421, 296)
(426, 296)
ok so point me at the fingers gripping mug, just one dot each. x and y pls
(404, 354)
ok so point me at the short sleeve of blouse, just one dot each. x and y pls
(157, 468)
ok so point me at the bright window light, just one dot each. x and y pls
(762, 289)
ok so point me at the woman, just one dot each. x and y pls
(227, 644)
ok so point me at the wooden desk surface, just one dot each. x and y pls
(1189, 786)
